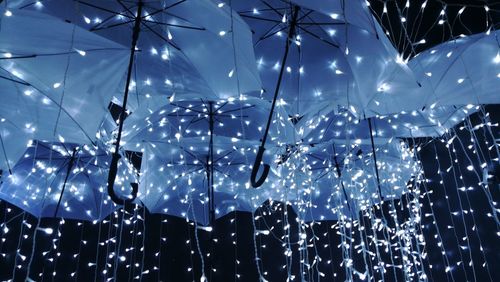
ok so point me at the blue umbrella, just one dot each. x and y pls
(195, 179)
(208, 131)
(338, 178)
(194, 30)
(462, 71)
(333, 54)
(47, 77)
(64, 180)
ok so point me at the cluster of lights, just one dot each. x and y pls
(323, 164)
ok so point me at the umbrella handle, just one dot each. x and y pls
(113, 169)
(255, 169)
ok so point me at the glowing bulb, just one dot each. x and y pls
(496, 60)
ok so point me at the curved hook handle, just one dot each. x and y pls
(255, 169)
(113, 169)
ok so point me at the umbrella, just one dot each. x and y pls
(204, 130)
(187, 179)
(189, 43)
(338, 178)
(333, 54)
(463, 71)
(13, 142)
(47, 76)
(241, 118)
(63, 180)
(194, 29)
(429, 122)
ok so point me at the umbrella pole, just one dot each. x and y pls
(4, 152)
(113, 169)
(68, 171)
(375, 159)
(210, 164)
(339, 173)
(257, 183)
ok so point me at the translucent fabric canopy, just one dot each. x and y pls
(186, 50)
(338, 179)
(430, 122)
(182, 139)
(241, 118)
(64, 180)
(47, 75)
(13, 142)
(175, 177)
(201, 77)
(339, 55)
(462, 71)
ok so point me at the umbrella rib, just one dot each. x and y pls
(252, 11)
(160, 36)
(306, 15)
(225, 155)
(187, 108)
(318, 37)
(15, 81)
(112, 25)
(5, 155)
(230, 116)
(268, 34)
(102, 9)
(183, 115)
(59, 54)
(223, 105)
(180, 163)
(320, 23)
(272, 8)
(166, 8)
(18, 57)
(106, 20)
(53, 101)
(260, 19)
(191, 154)
(127, 9)
(242, 108)
(175, 25)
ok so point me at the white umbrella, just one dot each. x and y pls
(462, 71)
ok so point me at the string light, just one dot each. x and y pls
(331, 189)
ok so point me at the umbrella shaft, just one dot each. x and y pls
(68, 171)
(135, 37)
(210, 164)
(291, 32)
(375, 158)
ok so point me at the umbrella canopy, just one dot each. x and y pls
(176, 177)
(13, 143)
(463, 71)
(209, 132)
(333, 54)
(338, 178)
(430, 122)
(187, 49)
(195, 30)
(48, 76)
(337, 54)
(64, 180)
(241, 118)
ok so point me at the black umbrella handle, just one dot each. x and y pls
(258, 160)
(113, 169)
(255, 169)
(114, 162)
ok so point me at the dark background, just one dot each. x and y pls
(159, 247)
